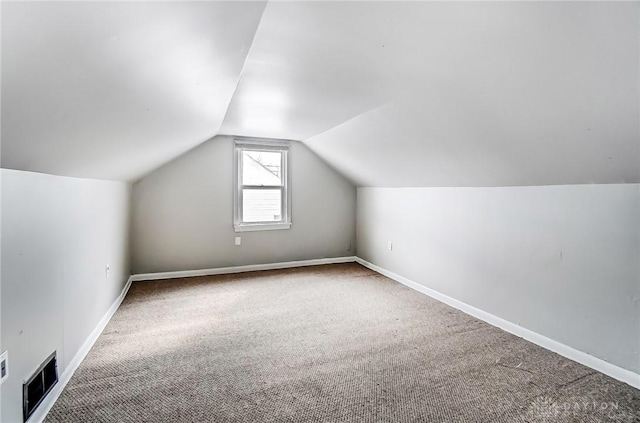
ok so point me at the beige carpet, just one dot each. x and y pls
(322, 344)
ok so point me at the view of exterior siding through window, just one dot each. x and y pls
(261, 170)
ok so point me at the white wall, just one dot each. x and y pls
(183, 214)
(562, 261)
(58, 233)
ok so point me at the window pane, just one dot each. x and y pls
(261, 167)
(262, 205)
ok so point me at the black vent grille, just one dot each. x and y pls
(39, 385)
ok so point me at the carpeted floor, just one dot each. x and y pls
(322, 344)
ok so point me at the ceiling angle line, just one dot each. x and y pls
(244, 65)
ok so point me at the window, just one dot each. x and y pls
(262, 200)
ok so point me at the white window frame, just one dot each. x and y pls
(261, 145)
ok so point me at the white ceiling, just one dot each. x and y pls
(389, 93)
(501, 94)
(112, 90)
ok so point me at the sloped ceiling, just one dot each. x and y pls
(389, 93)
(112, 90)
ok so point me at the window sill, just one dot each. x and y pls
(261, 227)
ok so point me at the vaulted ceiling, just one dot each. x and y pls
(388, 93)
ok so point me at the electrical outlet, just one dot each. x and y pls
(238, 240)
(4, 366)
(107, 270)
(390, 246)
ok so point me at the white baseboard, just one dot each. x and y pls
(595, 363)
(240, 269)
(44, 408)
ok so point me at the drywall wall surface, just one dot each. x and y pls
(58, 234)
(562, 261)
(183, 214)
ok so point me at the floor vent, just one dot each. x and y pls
(39, 385)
